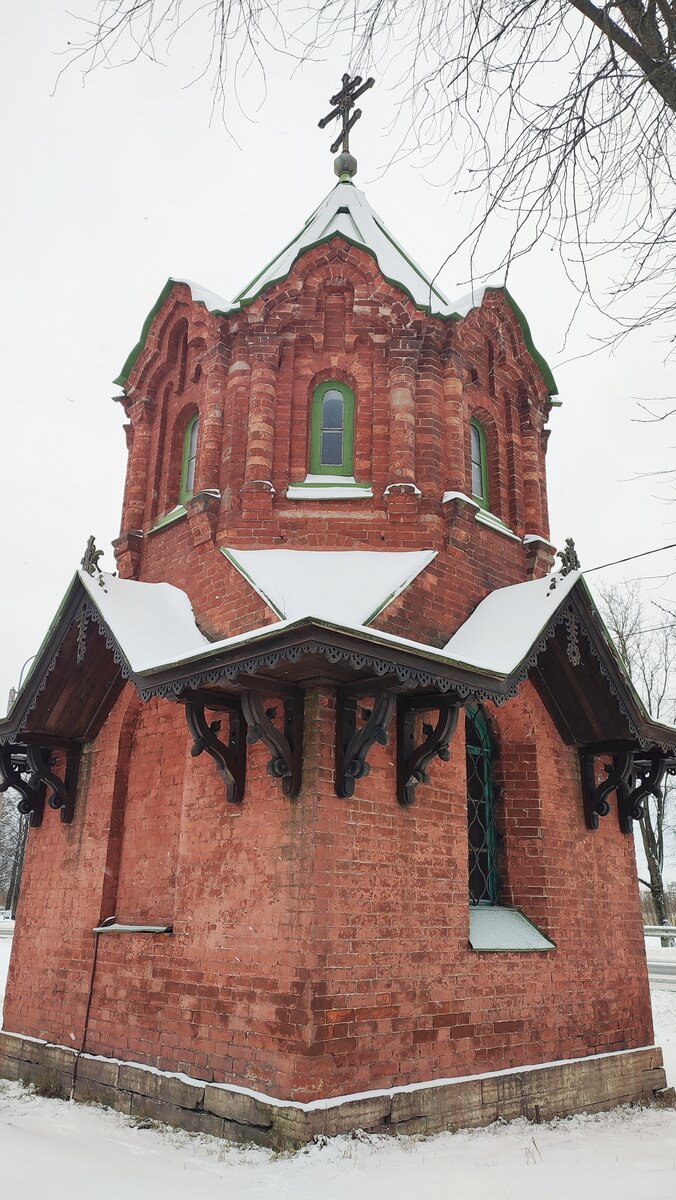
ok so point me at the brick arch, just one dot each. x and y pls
(132, 708)
(159, 354)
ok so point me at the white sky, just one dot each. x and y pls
(111, 188)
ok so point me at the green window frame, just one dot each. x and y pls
(482, 836)
(188, 460)
(332, 430)
(479, 462)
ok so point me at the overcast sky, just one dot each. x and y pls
(110, 188)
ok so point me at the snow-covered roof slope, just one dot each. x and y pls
(151, 622)
(347, 586)
(505, 627)
(347, 212)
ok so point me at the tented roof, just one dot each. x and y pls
(346, 213)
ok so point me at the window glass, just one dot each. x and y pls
(332, 433)
(483, 878)
(333, 410)
(189, 461)
(478, 472)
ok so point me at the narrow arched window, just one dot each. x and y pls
(479, 463)
(332, 430)
(187, 485)
(480, 749)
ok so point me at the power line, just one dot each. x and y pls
(630, 558)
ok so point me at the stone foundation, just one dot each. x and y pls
(536, 1092)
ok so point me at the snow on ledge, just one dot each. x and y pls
(506, 625)
(348, 587)
(493, 928)
(153, 623)
(334, 1101)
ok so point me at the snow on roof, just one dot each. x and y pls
(505, 626)
(349, 587)
(153, 623)
(347, 212)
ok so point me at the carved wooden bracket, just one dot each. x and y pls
(286, 747)
(63, 791)
(230, 759)
(353, 743)
(22, 779)
(647, 780)
(35, 780)
(596, 797)
(412, 759)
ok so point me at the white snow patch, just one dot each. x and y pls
(202, 295)
(488, 518)
(495, 928)
(349, 492)
(505, 626)
(153, 623)
(346, 586)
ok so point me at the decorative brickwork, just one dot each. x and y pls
(319, 945)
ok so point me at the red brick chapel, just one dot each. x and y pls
(331, 787)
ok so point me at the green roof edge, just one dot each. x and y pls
(538, 359)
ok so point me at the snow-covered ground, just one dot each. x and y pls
(71, 1152)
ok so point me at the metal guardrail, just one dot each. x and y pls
(659, 931)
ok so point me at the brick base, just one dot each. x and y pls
(537, 1093)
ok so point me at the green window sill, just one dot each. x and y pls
(169, 518)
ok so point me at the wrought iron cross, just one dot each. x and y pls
(343, 102)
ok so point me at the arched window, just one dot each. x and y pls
(332, 430)
(479, 463)
(480, 748)
(187, 484)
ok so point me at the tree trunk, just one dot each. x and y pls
(17, 868)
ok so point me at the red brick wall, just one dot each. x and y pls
(320, 944)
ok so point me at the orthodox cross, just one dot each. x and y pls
(342, 102)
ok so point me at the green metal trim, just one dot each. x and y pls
(538, 359)
(183, 493)
(347, 465)
(168, 518)
(245, 575)
(122, 378)
(239, 303)
(483, 502)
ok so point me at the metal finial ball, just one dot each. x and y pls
(345, 165)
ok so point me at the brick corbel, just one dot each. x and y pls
(127, 549)
(460, 517)
(402, 501)
(540, 556)
(203, 509)
(257, 499)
